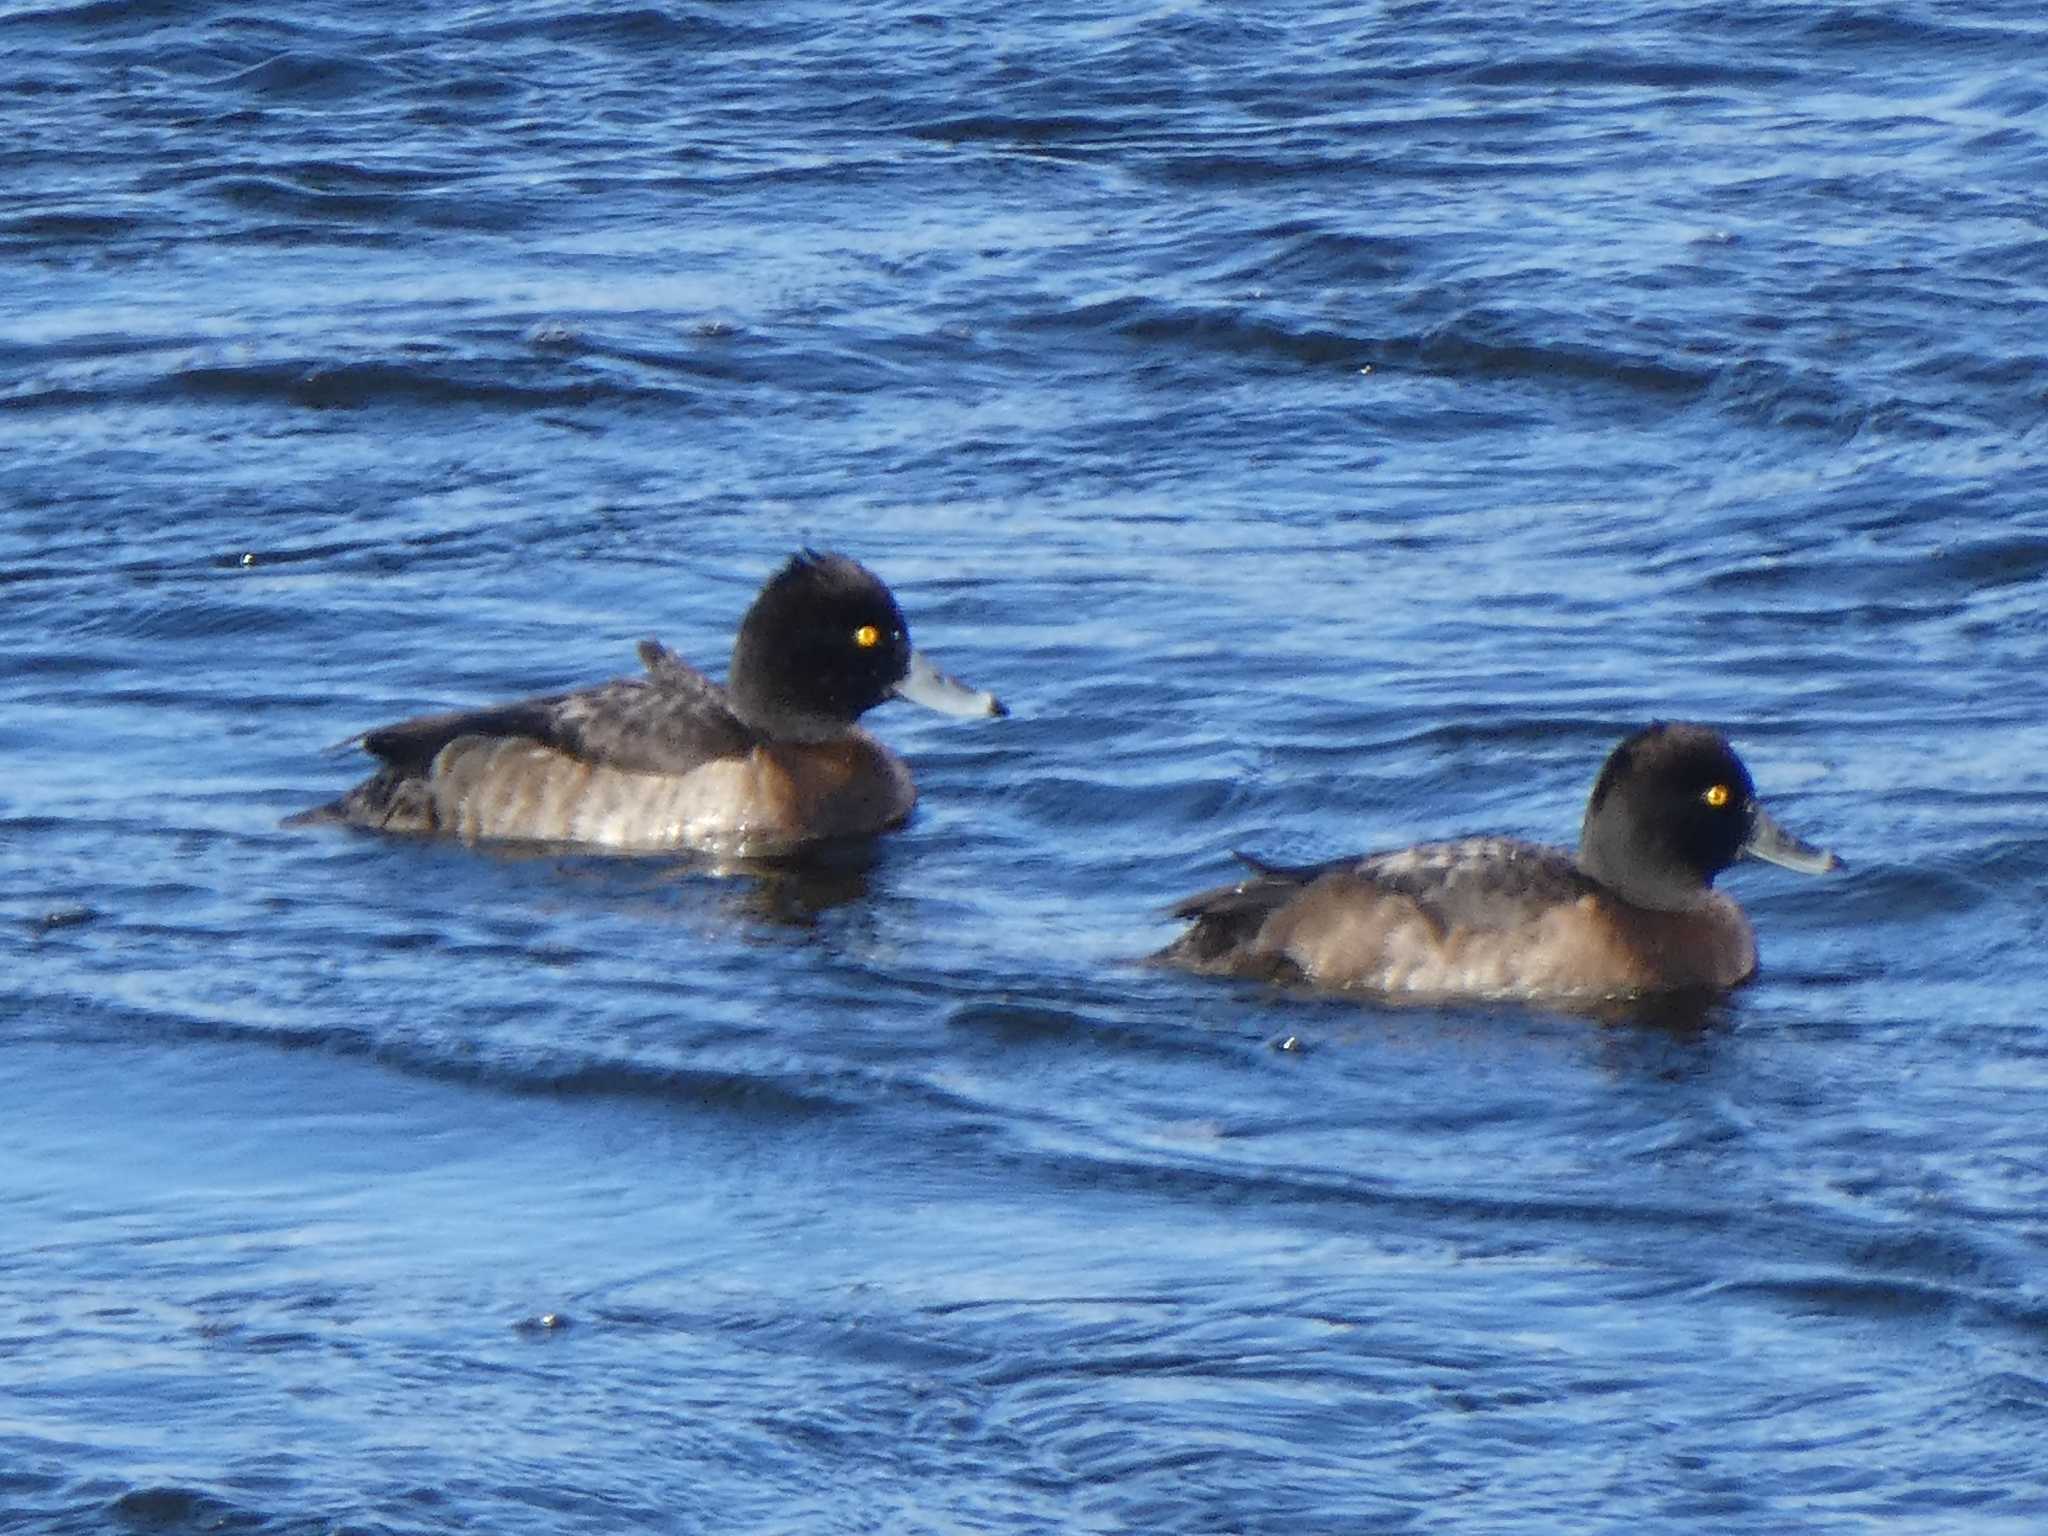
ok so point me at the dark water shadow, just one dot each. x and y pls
(1657, 1034)
(792, 890)
(1678, 1015)
(796, 892)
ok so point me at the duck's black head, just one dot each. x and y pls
(1672, 808)
(825, 643)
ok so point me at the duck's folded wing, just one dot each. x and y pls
(1475, 884)
(672, 722)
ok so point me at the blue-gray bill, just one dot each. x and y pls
(925, 684)
(1774, 845)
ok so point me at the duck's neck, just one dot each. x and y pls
(774, 717)
(1639, 871)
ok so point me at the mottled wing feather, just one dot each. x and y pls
(664, 665)
(672, 722)
(1477, 883)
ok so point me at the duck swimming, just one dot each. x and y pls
(1633, 912)
(768, 763)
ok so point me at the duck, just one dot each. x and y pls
(1632, 912)
(765, 765)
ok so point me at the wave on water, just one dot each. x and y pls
(559, 1071)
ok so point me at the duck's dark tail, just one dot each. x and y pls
(1225, 924)
(389, 800)
(319, 816)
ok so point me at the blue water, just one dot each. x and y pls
(1326, 427)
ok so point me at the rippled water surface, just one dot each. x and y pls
(1327, 427)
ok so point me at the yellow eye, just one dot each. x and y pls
(1717, 796)
(867, 637)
